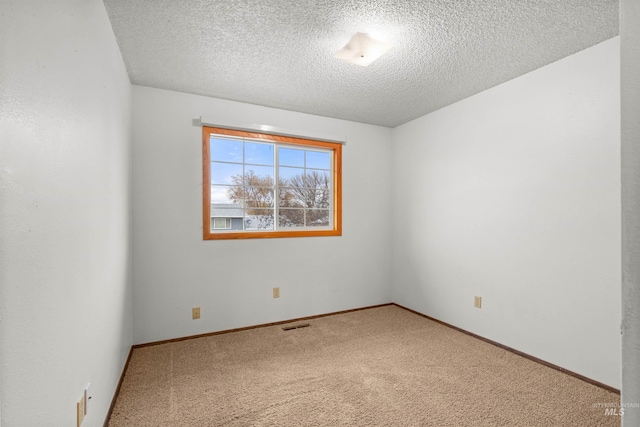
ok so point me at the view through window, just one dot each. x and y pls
(262, 185)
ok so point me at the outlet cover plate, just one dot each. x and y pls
(477, 302)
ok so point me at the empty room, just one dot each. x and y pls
(358, 213)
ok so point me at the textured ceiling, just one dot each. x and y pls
(280, 53)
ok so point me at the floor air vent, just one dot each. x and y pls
(290, 327)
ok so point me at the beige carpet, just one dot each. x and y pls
(382, 366)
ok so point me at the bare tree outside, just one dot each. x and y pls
(304, 199)
(256, 194)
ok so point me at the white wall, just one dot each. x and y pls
(232, 280)
(514, 195)
(629, 42)
(65, 287)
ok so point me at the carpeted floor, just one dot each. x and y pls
(382, 366)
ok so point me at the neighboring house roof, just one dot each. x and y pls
(226, 210)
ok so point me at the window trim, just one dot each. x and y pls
(206, 185)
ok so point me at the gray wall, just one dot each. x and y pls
(630, 80)
(65, 294)
(232, 280)
(514, 195)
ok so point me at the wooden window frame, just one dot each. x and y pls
(336, 148)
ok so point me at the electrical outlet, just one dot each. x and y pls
(195, 313)
(477, 302)
(276, 292)
(80, 409)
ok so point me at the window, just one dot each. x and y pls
(260, 185)
(221, 223)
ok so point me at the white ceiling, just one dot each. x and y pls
(279, 53)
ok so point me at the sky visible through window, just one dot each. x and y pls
(232, 157)
(244, 175)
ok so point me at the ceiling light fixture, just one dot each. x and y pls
(362, 50)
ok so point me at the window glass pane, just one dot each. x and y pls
(316, 179)
(295, 181)
(258, 154)
(226, 173)
(258, 197)
(258, 187)
(290, 157)
(259, 219)
(317, 198)
(287, 174)
(226, 195)
(223, 217)
(293, 197)
(291, 218)
(290, 197)
(225, 150)
(249, 223)
(220, 222)
(318, 160)
(220, 210)
(317, 218)
(234, 194)
(259, 176)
